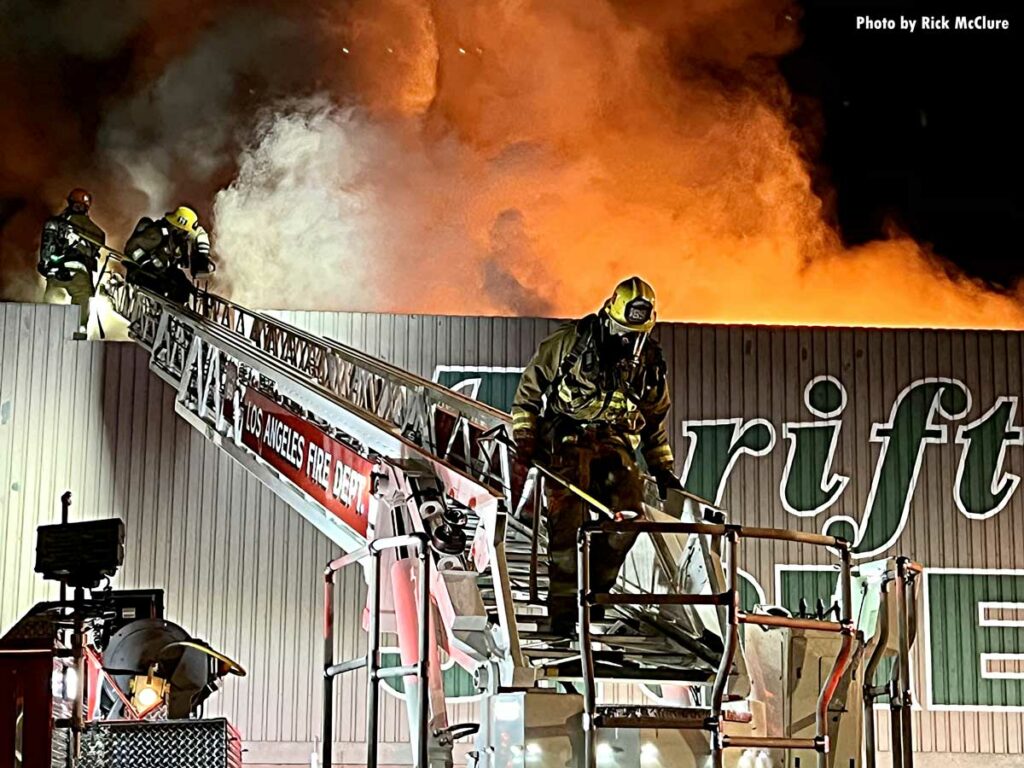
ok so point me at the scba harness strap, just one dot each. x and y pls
(628, 382)
(584, 334)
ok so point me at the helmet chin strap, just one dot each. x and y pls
(638, 345)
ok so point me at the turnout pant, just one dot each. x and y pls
(79, 288)
(606, 469)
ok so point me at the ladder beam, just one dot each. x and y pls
(227, 362)
(212, 349)
(404, 400)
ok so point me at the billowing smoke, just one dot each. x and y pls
(334, 209)
(300, 215)
(179, 130)
(507, 157)
(142, 103)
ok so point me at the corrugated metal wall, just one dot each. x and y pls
(242, 571)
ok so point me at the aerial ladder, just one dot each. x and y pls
(415, 483)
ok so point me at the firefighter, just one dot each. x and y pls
(194, 240)
(594, 393)
(69, 255)
(159, 249)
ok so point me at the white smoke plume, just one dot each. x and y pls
(300, 213)
(331, 208)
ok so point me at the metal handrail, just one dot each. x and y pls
(420, 543)
(734, 617)
(903, 703)
(732, 555)
(898, 689)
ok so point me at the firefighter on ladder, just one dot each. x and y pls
(69, 255)
(594, 393)
(158, 250)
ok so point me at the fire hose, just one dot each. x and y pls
(600, 508)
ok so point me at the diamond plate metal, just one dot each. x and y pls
(168, 744)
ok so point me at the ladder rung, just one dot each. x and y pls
(521, 556)
(526, 568)
(652, 717)
(770, 742)
(769, 620)
(675, 674)
(672, 717)
(631, 598)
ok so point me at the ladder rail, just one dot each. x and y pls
(406, 400)
(139, 306)
(420, 544)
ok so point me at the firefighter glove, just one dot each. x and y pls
(666, 480)
(526, 447)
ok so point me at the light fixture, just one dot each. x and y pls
(148, 691)
(147, 697)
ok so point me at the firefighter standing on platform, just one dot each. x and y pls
(594, 393)
(69, 255)
(159, 249)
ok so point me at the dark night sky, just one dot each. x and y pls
(922, 130)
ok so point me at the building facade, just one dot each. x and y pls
(904, 441)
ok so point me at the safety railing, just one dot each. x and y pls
(420, 544)
(898, 689)
(729, 599)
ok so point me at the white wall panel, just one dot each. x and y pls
(239, 568)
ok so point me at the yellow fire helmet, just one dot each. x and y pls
(184, 218)
(631, 306)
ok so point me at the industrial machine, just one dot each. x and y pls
(414, 482)
(104, 680)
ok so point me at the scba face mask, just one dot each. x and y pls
(630, 341)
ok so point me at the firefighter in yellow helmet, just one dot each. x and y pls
(595, 393)
(160, 249)
(195, 242)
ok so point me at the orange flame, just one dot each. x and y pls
(581, 141)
